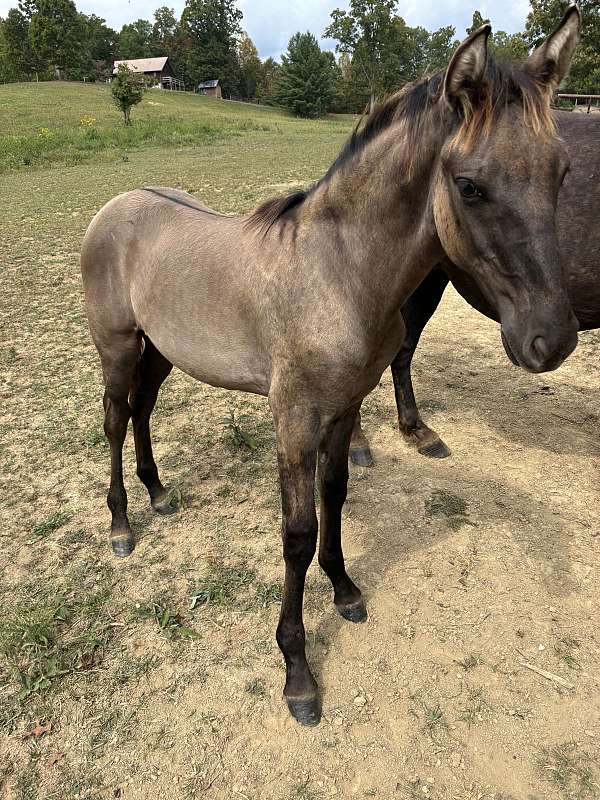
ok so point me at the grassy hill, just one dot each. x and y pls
(68, 123)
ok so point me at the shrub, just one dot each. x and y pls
(127, 91)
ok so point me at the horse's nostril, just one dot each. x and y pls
(539, 347)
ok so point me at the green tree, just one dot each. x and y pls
(250, 67)
(57, 36)
(99, 47)
(367, 31)
(543, 18)
(509, 46)
(164, 31)
(440, 47)
(19, 59)
(306, 80)
(478, 22)
(212, 28)
(7, 71)
(502, 45)
(267, 77)
(100, 39)
(135, 40)
(127, 89)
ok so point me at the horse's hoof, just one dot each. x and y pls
(435, 449)
(165, 509)
(123, 544)
(354, 612)
(305, 711)
(362, 457)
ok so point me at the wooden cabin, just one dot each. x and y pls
(210, 89)
(157, 70)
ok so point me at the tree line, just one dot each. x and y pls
(376, 51)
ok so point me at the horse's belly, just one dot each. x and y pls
(219, 363)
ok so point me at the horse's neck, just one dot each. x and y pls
(386, 241)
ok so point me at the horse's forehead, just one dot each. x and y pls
(517, 149)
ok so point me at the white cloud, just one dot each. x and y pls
(271, 23)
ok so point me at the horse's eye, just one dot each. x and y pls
(467, 188)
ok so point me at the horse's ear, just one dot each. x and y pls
(550, 62)
(467, 68)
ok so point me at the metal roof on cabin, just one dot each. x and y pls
(143, 64)
(208, 85)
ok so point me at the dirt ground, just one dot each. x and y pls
(472, 567)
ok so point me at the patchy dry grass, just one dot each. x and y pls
(571, 769)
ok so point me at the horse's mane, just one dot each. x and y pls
(505, 83)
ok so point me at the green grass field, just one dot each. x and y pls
(46, 123)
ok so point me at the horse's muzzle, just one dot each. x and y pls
(542, 350)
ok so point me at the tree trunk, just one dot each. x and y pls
(127, 114)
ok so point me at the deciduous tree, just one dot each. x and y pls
(212, 27)
(135, 40)
(57, 35)
(367, 32)
(250, 67)
(127, 89)
(543, 18)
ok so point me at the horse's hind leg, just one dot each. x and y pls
(417, 312)
(119, 363)
(333, 483)
(152, 371)
(360, 449)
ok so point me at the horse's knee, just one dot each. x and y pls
(300, 542)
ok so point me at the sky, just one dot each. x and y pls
(271, 23)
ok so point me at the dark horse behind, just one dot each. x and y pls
(300, 301)
(578, 220)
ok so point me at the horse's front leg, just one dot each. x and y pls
(297, 442)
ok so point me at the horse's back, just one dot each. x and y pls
(157, 260)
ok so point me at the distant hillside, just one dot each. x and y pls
(66, 123)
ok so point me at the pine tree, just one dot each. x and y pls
(306, 80)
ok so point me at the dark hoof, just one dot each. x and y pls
(123, 544)
(306, 712)
(355, 612)
(165, 508)
(362, 457)
(435, 449)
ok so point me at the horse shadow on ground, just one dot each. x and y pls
(528, 410)
(537, 533)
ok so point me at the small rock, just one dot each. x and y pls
(360, 700)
